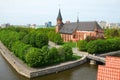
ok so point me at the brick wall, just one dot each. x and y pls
(111, 71)
(79, 35)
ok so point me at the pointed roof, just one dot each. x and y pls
(59, 15)
(77, 19)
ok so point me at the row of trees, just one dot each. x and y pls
(41, 57)
(31, 47)
(36, 39)
(110, 33)
(99, 46)
(52, 35)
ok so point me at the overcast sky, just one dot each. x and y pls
(41, 11)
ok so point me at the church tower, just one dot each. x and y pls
(59, 22)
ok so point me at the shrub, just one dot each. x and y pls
(82, 45)
(34, 58)
(41, 40)
(102, 46)
(68, 52)
(53, 55)
(96, 47)
(20, 49)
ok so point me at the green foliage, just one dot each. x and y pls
(36, 39)
(53, 55)
(20, 49)
(61, 53)
(34, 57)
(82, 45)
(41, 40)
(110, 33)
(71, 44)
(68, 52)
(52, 35)
(102, 46)
(55, 37)
(26, 39)
(31, 46)
(96, 47)
(8, 37)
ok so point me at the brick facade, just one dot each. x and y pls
(111, 71)
(80, 35)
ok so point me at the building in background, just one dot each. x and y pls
(48, 24)
(103, 24)
(114, 25)
(78, 30)
(5, 25)
(106, 25)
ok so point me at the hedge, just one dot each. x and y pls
(103, 46)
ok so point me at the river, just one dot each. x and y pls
(82, 72)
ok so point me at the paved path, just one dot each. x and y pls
(52, 44)
(80, 53)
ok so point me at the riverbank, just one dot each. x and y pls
(29, 72)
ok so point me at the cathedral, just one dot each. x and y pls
(75, 31)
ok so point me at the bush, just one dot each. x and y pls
(55, 37)
(20, 49)
(82, 45)
(96, 47)
(34, 57)
(103, 46)
(33, 48)
(61, 53)
(68, 52)
(110, 33)
(53, 55)
(41, 40)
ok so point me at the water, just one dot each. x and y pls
(82, 72)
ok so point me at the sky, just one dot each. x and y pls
(22, 12)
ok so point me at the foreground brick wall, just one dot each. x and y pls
(111, 71)
(113, 62)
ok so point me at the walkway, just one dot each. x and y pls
(89, 56)
(80, 53)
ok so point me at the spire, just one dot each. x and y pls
(59, 15)
(77, 19)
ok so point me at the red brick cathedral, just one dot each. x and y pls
(74, 31)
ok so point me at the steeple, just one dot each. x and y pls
(59, 16)
(77, 19)
(59, 22)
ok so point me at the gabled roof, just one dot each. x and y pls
(69, 28)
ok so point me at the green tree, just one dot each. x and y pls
(34, 58)
(41, 40)
(68, 52)
(53, 55)
(82, 45)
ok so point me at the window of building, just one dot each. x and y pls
(74, 36)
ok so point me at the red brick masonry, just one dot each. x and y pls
(111, 71)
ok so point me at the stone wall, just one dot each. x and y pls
(29, 72)
(59, 68)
